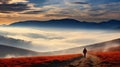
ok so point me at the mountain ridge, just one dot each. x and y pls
(70, 23)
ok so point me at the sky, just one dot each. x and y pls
(84, 10)
(45, 40)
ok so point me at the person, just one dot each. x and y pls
(84, 52)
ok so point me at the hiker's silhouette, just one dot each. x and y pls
(84, 52)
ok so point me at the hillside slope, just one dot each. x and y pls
(100, 59)
(104, 46)
(13, 51)
(43, 61)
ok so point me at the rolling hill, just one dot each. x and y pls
(112, 45)
(14, 51)
(40, 61)
(70, 23)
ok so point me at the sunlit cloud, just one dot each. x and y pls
(18, 1)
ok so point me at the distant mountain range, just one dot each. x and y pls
(70, 23)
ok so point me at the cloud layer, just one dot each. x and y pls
(44, 39)
(7, 8)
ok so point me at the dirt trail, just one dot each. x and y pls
(90, 61)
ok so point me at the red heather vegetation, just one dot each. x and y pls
(111, 59)
(117, 48)
(36, 61)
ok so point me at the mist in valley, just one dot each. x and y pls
(46, 39)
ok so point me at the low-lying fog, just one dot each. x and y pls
(46, 39)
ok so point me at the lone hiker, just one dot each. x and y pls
(84, 52)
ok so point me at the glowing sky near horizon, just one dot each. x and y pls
(83, 10)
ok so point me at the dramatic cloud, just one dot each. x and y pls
(83, 10)
(96, 2)
(37, 1)
(4, 1)
(79, 3)
(19, 1)
(12, 1)
(6, 8)
(34, 12)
